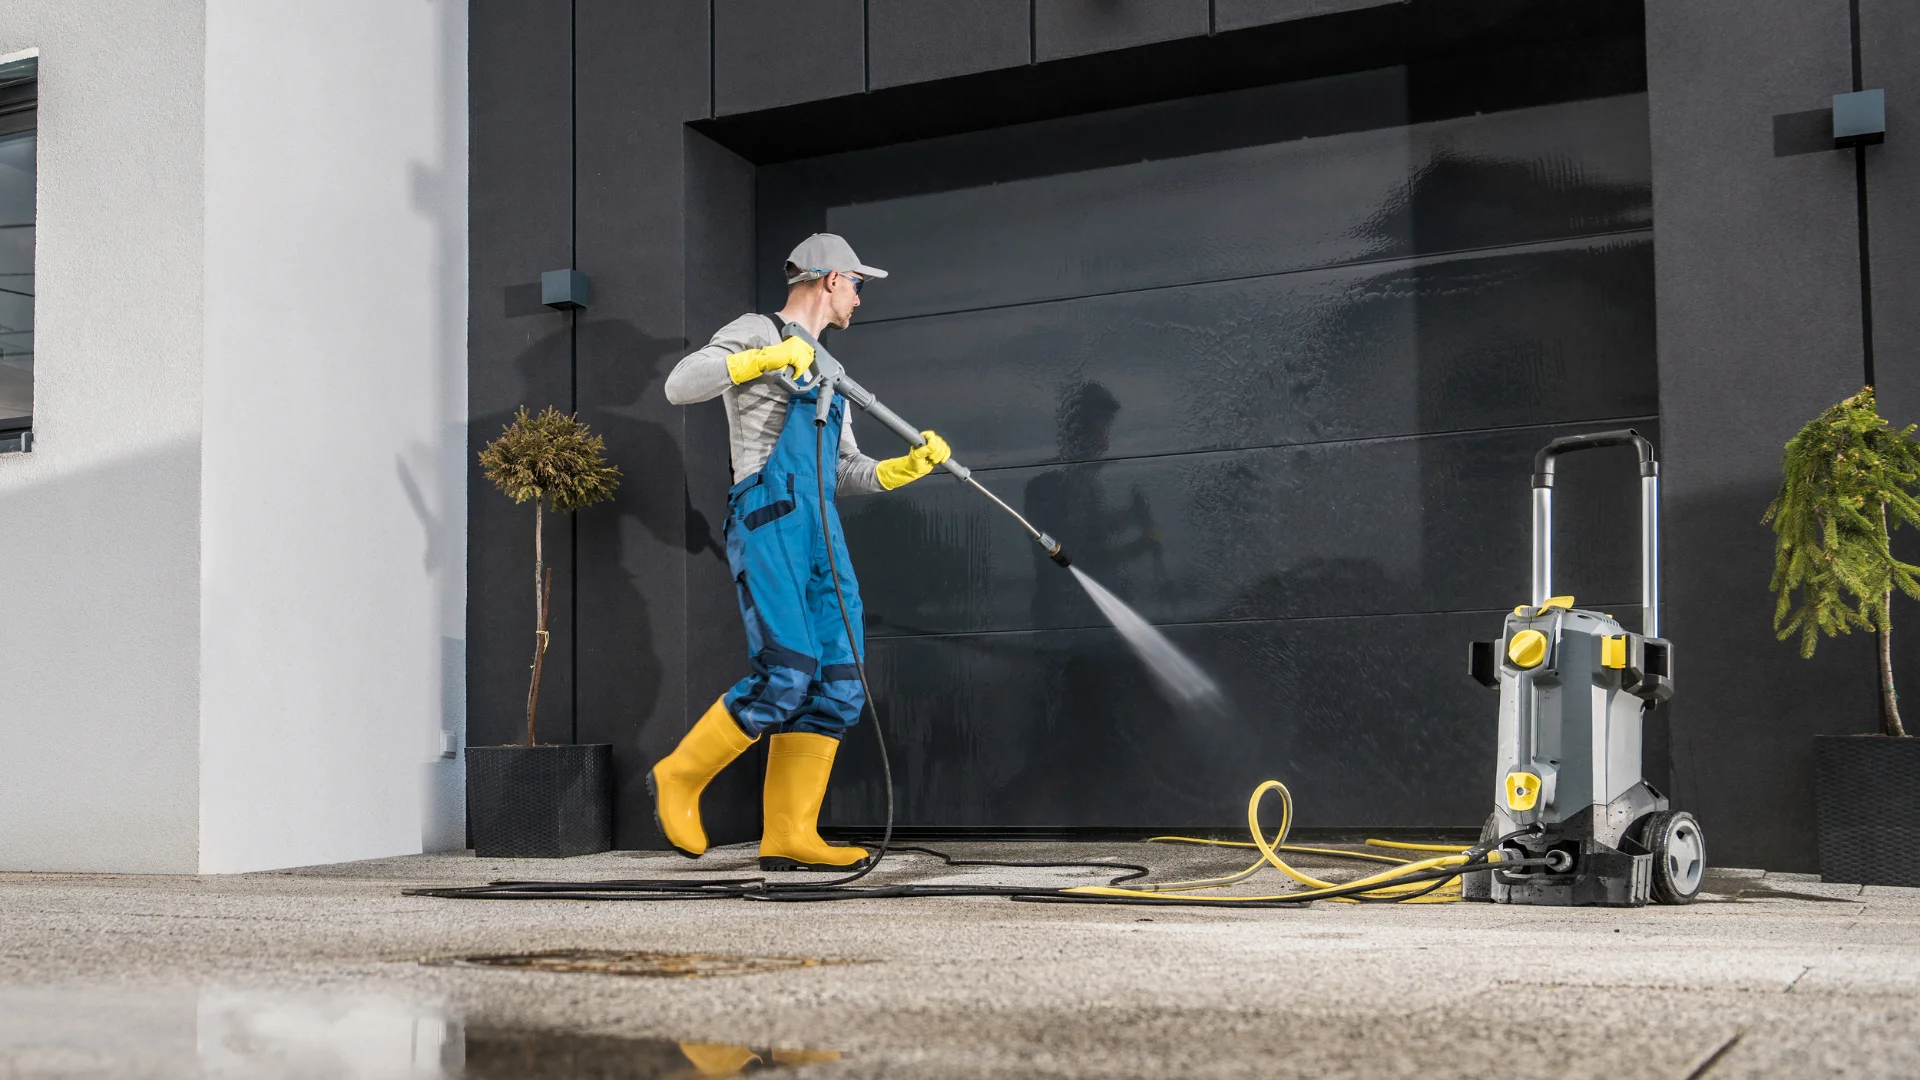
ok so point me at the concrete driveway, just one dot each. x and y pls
(331, 971)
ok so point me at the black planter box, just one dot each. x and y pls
(1867, 800)
(540, 802)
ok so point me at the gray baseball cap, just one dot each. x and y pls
(821, 254)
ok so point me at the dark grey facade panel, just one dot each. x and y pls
(1539, 55)
(1259, 116)
(911, 41)
(720, 285)
(1890, 49)
(1234, 191)
(1889, 41)
(992, 728)
(768, 53)
(519, 353)
(1758, 292)
(1063, 28)
(1472, 183)
(642, 73)
(1241, 14)
(1346, 353)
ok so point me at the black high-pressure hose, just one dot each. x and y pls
(859, 660)
(757, 889)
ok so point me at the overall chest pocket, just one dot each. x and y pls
(764, 503)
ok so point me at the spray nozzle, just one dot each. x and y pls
(1054, 551)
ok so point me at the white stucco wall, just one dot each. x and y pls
(333, 455)
(232, 574)
(99, 527)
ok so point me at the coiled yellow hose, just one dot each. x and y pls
(1315, 888)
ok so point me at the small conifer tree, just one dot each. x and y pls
(550, 460)
(1848, 481)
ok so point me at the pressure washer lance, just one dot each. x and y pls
(831, 378)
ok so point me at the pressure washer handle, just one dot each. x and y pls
(830, 378)
(1543, 462)
(792, 385)
(828, 371)
(825, 367)
(892, 422)
(1543, 477)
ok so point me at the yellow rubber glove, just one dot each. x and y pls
(917, 463)
(750, 364)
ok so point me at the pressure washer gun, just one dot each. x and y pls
(830, 378)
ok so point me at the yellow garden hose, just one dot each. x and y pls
(1453, 849)
(1293, 849)
(1388, 887)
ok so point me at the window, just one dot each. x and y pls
(19, 101)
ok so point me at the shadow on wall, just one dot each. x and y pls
(443, 783)
(443, 825)
(99, 703)
(1104, 537)
(439, 190)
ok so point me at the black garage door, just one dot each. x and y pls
(1272, 364)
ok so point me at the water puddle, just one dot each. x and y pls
(508, 1055)
(225, 1034)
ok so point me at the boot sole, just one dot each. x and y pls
(654, 795)
(776, 863)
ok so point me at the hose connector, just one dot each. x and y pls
(1053, 549)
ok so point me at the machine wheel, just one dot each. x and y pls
(1679, 855)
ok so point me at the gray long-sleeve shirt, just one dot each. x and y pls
(757, 411)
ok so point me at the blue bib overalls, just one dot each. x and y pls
(804, 677)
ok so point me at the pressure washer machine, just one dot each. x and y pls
(1575, 687)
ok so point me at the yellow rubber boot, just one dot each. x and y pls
(678, 779)
(798, 764)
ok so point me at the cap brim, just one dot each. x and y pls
(872, 272)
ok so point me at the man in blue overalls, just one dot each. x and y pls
(805, 686)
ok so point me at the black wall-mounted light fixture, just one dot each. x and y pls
(1859, 118)
(565, 290)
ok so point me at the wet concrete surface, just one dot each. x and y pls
(331, 971)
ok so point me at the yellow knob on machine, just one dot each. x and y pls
(1527, 649)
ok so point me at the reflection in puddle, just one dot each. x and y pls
(242, 1034)
(232, 1034)
(502, 1055)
